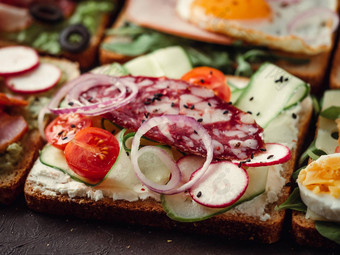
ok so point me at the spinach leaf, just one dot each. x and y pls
(293, 202)
(296, 173)
(332, 113)
(329, 230)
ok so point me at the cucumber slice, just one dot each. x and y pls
(181, 207)
(174, 61)
(145, 66)
(53, 157)
(274, 87)
(114, 69)
(324, 140)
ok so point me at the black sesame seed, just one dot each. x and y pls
(158, 95)
(146, 114)
(70, 103)
(199, 194)
(258, 114)
(127, 153)
(289, 184)
(239, 165)
(211, 72)
(225, 112)
(251, 99)
(279, 80)
(230, 102)
(73, 126)
(192, 107)
(263, 149)
(185, 106)
(147, 102)
(143, 121)
(61, 132)
(90, 99)
(237, 145)
(252, 156)
(172, 104)
(200, 120)
(286, 79)
(202, 81)
(248, 160)
(249, 112)
(195, 132)
(64, 138)
(209, 104)
(294, 116)
(270, 156)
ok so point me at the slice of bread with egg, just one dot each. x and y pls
(309, 67)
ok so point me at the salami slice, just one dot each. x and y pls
(234, 133)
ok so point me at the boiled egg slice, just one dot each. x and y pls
(319, 185)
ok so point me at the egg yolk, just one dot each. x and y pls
(322, 176)
(235, 9)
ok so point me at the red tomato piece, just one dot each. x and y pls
(62, 129)
(92, 153)
(11, 101)
(210, 78)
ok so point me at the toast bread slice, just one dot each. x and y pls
(86, 58)
(335, 69)
(231, 225)
(305, 233)
(12, 181)
(313, 72)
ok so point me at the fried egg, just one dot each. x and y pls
(319, 185)
(301, 26)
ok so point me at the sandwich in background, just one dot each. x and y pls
(137, 32)
(67, 28)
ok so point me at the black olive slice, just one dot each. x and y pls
(45, 12)
(74, 38)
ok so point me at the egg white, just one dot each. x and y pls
(311, 38)
(323, 204)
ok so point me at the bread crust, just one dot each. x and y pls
(335, 70)
(305, 233)
(150, 213)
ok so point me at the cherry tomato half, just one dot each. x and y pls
(60, 131)
(210, 78)
(92, 153)
(12, 101)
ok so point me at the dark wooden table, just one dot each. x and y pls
(25, 232)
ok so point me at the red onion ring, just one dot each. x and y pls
(156, 121)
(312, 12)
(86, 82)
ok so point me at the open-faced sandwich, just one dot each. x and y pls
(72, 29)
(233, 36)
(315, 221)
(170, 152)
(26, 84)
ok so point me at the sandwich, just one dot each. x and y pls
(25, 88)
(315, 219)
(155, 151)
(71, 29)
(285, 34)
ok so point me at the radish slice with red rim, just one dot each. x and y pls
(273, 154)
(222, 185)
(41, 79)
(189, 164)
(17, 60)
(162, 122)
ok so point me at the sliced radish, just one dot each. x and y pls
(17, 60)
(222, 185)
(41, 79)
(273, 154)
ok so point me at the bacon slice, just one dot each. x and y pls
(161, 15)
(13, 18)
(235, 134)
(12, 129)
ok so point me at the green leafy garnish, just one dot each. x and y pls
(293, 202)
(132, 40)
(316, 105)
(296, 172)
(330, 230)
(332, 113)
(312, 152)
